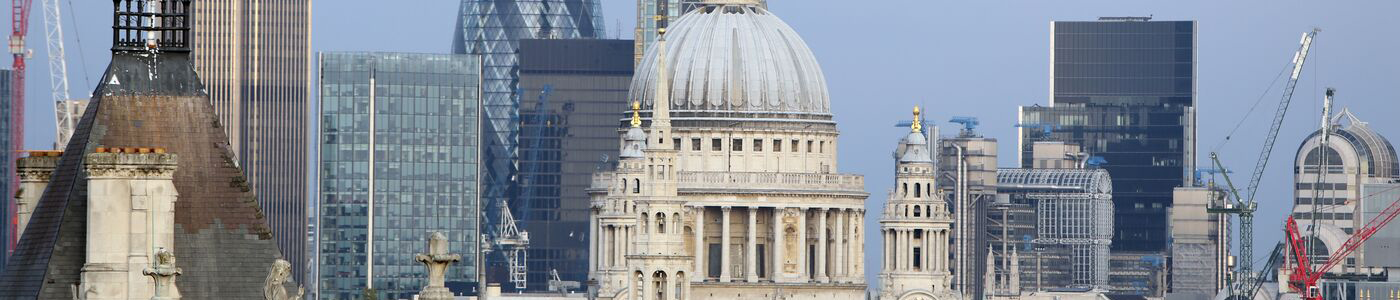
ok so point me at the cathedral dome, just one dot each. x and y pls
(735, 59)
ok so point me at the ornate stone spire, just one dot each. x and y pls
(661, 107)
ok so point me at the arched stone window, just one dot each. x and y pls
(917, 190)
(918, 211)
(661, 223)
(637, 186)
(905, 192)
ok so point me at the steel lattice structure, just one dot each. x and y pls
(1074, 216)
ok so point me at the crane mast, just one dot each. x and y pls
(58, 70)
(1245, 277)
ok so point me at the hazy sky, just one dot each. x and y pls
(956, 58)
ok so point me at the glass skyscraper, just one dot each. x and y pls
(1124, 88)
(493, 29)
(566, 135)
(399, 138)
(8, 211)
(254, 57)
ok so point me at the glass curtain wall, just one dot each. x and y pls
(399, 158)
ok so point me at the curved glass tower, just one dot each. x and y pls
(493, 29)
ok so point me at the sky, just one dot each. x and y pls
(956, 58)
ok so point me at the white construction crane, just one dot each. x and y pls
(58, 71)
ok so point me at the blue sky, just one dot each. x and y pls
(956, 58)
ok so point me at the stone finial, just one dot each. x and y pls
(437, 260)
(277, 276)
(164, 272)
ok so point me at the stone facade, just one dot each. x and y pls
(130, 214)
(716, 204)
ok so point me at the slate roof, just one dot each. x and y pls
(149, 99)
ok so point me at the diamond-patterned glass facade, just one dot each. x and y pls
(493, 29)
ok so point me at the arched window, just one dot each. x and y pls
(660, 223)
(905, 192)
(917, 190)
(624, 184)
(677, 218)
(918, 211)
(637, 186)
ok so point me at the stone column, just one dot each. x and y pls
(130, 214)
(901, 246)
(34, 173)
(886, 260)
(853, 246)
(648, 291)
(838, 265)
(699, 246)
(751, 267)
(724, 261)
(779, 258)
(802, 243)
(593, 249)
(822, 242)
(633, 291)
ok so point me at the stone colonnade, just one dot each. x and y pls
(900, 254)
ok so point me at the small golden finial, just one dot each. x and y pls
(636, 114)
(917, 125)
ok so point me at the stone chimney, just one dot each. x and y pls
(131, 213)
(34, 173)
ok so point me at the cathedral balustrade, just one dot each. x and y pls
(771, 181)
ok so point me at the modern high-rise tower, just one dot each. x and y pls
(1124, 88)
(399, 154)
(8, 235)
(255, 59)
(573, 90)
(493, 29)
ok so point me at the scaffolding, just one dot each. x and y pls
(1073, 221)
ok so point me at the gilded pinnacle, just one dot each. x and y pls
(636, 114)
(917, 126)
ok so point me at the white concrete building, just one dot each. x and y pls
(725, 187)
(916, 227)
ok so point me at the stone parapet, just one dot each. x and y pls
(737, 181)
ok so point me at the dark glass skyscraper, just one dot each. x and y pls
(493, 29)
(567, 133)
(1124, 89)
(399, 154)
(8, 211)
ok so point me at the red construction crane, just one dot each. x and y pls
(20, 24)
(1303, 279)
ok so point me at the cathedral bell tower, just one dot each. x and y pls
(915, 227)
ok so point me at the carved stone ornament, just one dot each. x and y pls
(164, 272)
(274, 287)
(437, 260)
(130, 166)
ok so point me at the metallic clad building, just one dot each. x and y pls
(8, 217)
(421, 164)
(1334, 200)
(1124, 89)
(566, 136)
(255, 59)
